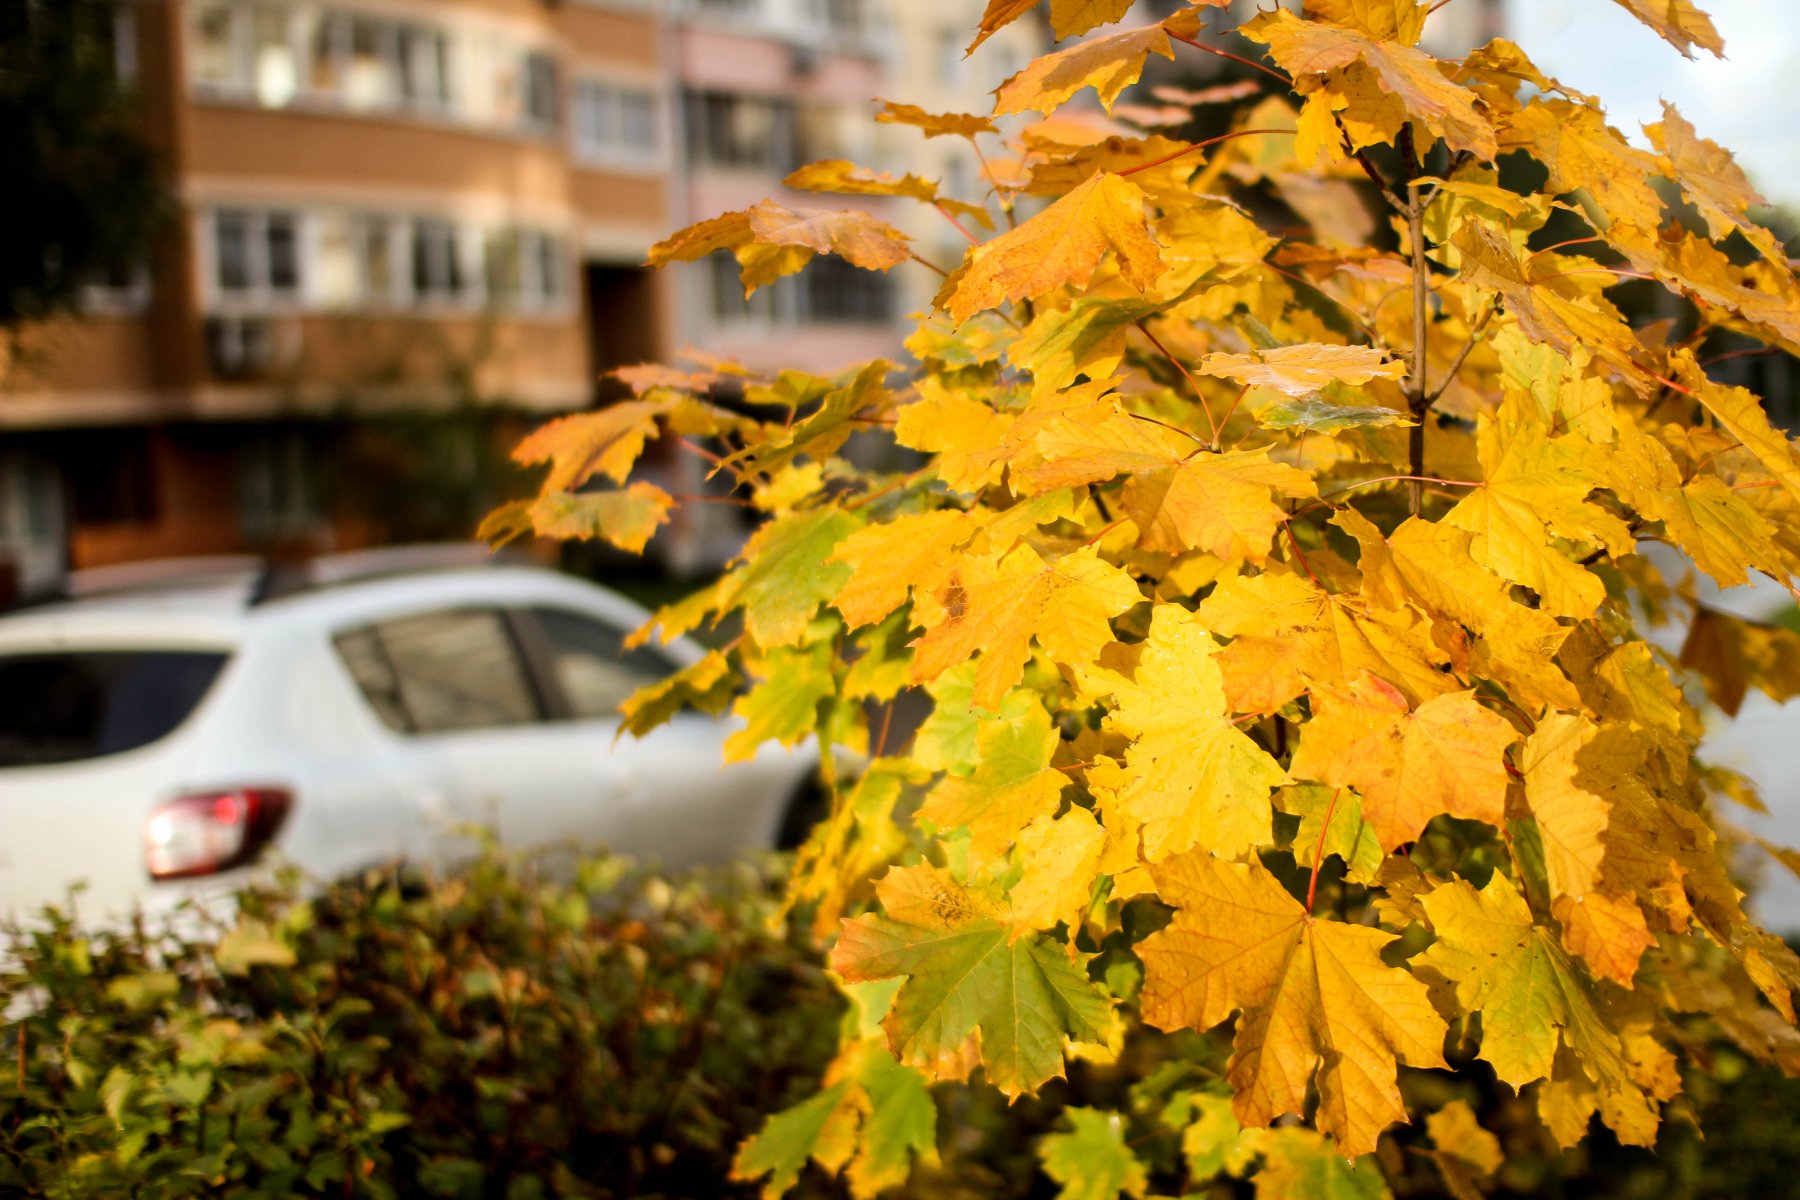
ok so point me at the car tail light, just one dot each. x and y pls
(209, 832)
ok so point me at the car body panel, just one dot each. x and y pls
(286, 712)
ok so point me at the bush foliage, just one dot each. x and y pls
(497, 1034)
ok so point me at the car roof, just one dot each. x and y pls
(214, 615)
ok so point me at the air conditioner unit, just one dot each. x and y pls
(250, 348)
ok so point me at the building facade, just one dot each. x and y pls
(385, 209)
(399, 219)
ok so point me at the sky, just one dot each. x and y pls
(1749, 103)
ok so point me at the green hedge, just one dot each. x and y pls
(503, 1034)
(495, 1035)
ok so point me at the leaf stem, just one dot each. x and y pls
(929, 265)
(1418, 397)
(951, 217)
(1463, 355)
(1312, 886)
(1192, 382)
(702, 451)
(1223, 137)
(1277, 76)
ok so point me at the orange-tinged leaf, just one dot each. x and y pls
(1679, 23)
(1288, 635)
(1733, 655)
(977, 989)
(1107, 64)
(997, 607)
(1714, 182)
(1408, 765)
(1068, 18)
(934, 124)
(626, 518)
(1061, 245)
(846, 178)
(1549, 306)
(605, 442)
(886, 561)
(967, 436)
(855, 236)
(1571, 817)
(1608, 933)
(1303, 370)
(1318, 1003)
(1739, 411)
(1219, 503)
(727, 231)
(1583, 153)
(1191, 778)
(1309, 48)
(1385, 20)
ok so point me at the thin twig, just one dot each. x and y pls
(702, 451)
(1462, 356)
(1400, 479)
(1312, 886)
(1192, 382)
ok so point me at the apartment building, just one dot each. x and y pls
(387, 209)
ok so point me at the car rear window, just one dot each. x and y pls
(71, 705)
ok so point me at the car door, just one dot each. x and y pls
(474, 734)
(680, 804)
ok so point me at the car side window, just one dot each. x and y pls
(442, 671)
(592, 666)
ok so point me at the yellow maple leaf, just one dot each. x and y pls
(997, 606)
(1318, 1003)
(1303, 370)
(1310, 48)
(1584, 153)
(1408, 765)
(1218, 503)
(1107, 64)
(855, 236)
(1288, 634)
(888, 560)
(1714, 182)
(1061, 245)
(1012, 784)
(1191, 777)
(1550, 306)
(934, 124)
(1532, 999)
(1536, 486)
(1570, 816)
(1739, 411)
(967, 436)
(1058, 859)
(1679, 23)
(606, 442)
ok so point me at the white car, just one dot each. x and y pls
(157, 741)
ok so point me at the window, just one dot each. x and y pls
(834, 292)
(256, 254)
(727, 130)
(275, 54)
(424, 68)
(616, 124)
(525, 269)
(540, 91)
(437, 273)
(441, 672)
(591, 665)
(827, 291)
(70, 705)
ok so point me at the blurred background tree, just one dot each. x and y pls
(80, 174)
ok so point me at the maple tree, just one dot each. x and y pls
(1279, 602)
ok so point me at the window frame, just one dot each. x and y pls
(546, 703)
(540, 653)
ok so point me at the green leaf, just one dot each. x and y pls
(785, 577)
(900, 1125)
(252, 943)
(1317, 415)
(707, 685)
(1299, 1162)
(784, 705)
(978, 988)
(786, 1140)
(1092, 1161)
